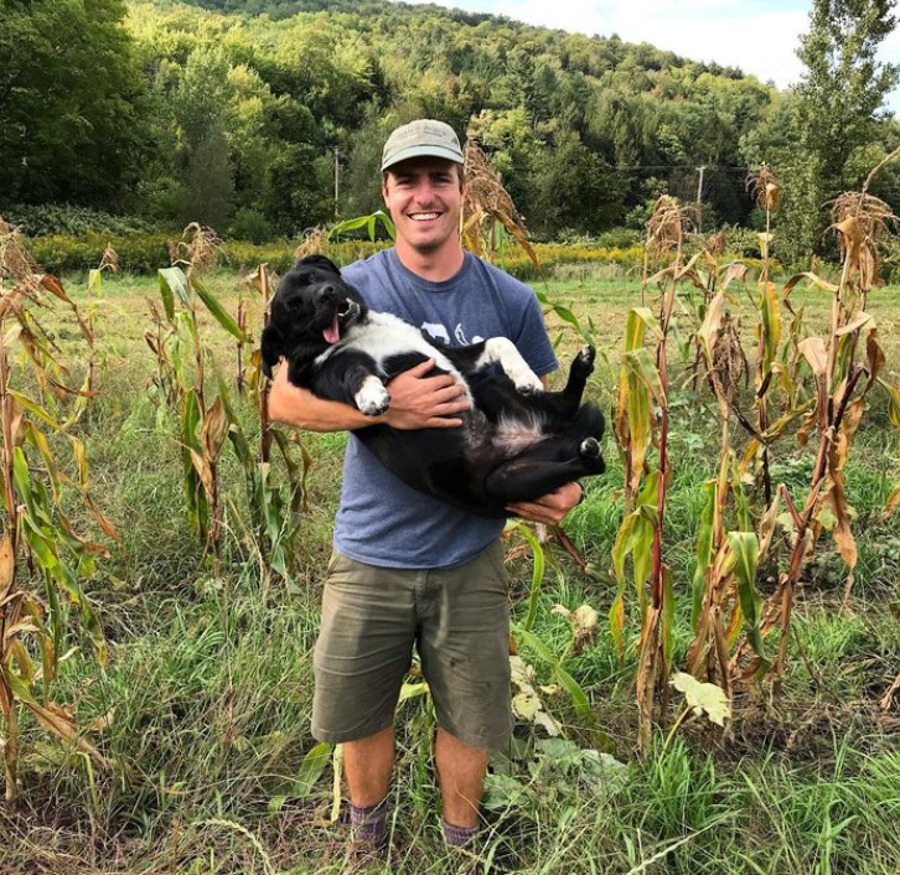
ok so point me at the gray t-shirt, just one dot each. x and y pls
(381, 520)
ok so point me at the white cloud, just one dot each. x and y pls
(760, 38)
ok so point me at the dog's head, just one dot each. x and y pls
(312, 310)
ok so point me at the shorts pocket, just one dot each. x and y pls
(332, 561)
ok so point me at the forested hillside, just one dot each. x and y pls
(252, 116)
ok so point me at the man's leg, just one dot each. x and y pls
(461, 771)
(362, 653)
(368, 764)
(464, 647)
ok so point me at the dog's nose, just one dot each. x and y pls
(328, 293)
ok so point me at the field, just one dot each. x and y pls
(202, 712)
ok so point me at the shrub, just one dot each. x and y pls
(250, 225)
(54, 219)
(138, 253)
(145, 253)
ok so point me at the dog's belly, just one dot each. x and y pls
(514, 435)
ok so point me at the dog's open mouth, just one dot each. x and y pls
(346, 315)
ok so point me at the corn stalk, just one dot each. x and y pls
(273, 524)
(860, 222)
(40, 549)
(725, 597)
(642, 531)
(203, 427)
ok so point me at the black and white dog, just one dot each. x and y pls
(516, 442)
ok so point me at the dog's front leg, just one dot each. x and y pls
(366, 389)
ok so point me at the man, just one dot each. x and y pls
(408, 568)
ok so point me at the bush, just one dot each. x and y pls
(146, 253)
(250, 225)
(56, 219)
(138, 253)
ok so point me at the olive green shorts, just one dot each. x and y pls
(458, 620)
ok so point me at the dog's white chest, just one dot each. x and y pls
(385, 335)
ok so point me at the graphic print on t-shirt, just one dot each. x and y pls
(439, 332)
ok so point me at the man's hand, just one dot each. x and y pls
(418, 401)
(551, 508)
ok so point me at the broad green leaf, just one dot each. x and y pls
(704, 551)
(173, 284)
(745, 549)
(218, 312)
(649, 495)
(537, 575)
(562, 677)
(893, 403)
(311, 769)
(36, 409)
(770, 311)
(37, 437)
(642, 366)
(742, 504)
(634, 329)
(635, 538)
(640, 423)
(648, 317)
(367, 222)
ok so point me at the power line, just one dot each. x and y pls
(732, 167)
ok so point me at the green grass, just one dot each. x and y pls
(204, 708)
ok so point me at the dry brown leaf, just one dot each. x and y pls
(814, 351)
(7, 564)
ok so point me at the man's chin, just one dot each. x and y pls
(427, 244)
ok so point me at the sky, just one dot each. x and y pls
(758, 36)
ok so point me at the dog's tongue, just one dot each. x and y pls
(333, 332)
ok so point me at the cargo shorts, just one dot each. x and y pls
(458, 620)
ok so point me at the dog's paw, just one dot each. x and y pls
(583, 363)
(372, 399)
(526, 382)
(589, 449)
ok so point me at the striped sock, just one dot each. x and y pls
(368, 823)
(458, 836)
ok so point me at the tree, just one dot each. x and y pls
(71, 110)
(837, 110)
(575, 189)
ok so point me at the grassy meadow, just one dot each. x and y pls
(203, 710)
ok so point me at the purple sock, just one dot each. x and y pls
(369, 822)
(458, 836)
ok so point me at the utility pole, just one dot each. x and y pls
(701, 170)
(337, 180)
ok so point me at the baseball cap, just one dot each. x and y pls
(422, 137)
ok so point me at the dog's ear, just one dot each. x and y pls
(271, 348)
(320, 261)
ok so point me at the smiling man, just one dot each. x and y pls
(408, 570)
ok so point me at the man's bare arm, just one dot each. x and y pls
(417, 401)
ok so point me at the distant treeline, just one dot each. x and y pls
(252, 116)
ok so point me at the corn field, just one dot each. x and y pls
(695, 639)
